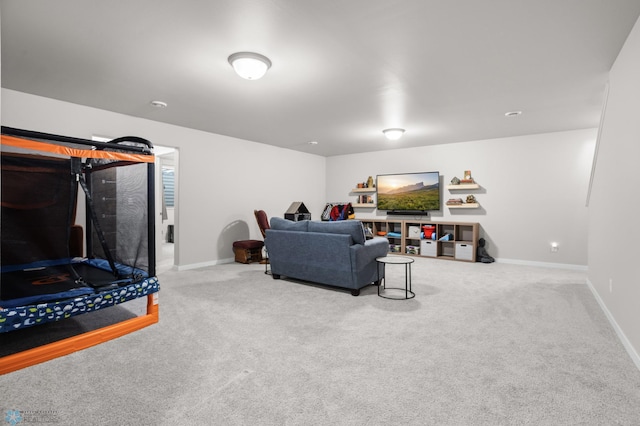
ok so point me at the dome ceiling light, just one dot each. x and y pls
(249, 65)
(393, 134)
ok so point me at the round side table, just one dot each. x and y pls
(396, 260)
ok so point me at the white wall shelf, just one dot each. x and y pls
(369, 201)
(464, 206)
(463, 186)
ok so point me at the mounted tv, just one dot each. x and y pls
(408, 193)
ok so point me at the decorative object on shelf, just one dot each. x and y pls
(471, 199)
(481, 254)
(370, 182)
(455, 181)
(467, 177)
(446, 237)
(454, 201)
(297, 211)
(361, 185)
(365, 199)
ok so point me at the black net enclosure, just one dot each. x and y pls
(77, 216)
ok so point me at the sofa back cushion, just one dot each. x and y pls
(281, 224)
(350, 227)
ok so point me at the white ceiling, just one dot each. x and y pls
(343, 70)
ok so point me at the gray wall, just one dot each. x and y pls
(533, 187)
(614, 233)
(533, 190)
(221, 179)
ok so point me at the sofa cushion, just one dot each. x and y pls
(281, 224)
(350, 227)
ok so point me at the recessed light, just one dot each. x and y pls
(512, 113)
(313, 142)
(393, 134)
(159, 104)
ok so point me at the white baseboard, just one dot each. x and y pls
(544, 264)
(623, 338)
(205, 264)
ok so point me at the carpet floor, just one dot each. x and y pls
(480, 344)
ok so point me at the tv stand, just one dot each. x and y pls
(405, 238)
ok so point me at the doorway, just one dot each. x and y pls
(166, 184)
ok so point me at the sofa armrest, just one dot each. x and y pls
(364, 254)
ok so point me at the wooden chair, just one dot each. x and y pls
(263, 224)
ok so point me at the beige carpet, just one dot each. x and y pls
(481, 344)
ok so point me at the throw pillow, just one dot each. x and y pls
(350, 227)
(281, 224)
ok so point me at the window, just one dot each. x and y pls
(168, 185)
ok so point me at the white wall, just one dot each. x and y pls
(221, 179)
(533, 190)
(614, 234)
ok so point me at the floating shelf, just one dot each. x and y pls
(464, 206)
(363, 190)
(363, 205)
(463, 186)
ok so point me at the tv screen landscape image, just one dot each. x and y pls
(408, 192)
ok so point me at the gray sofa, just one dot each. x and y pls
(331, 253)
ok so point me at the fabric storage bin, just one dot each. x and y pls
(414, 232)
(429, 248)
(413, 250)
(464, 251)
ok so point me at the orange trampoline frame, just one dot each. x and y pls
(88, 339)
(82, 341)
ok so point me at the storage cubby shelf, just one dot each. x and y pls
(408, 241)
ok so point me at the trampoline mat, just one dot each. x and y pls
(52, 280)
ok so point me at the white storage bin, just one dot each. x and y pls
(464, 251)
(414, 232)
(429, 248)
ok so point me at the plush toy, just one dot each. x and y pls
(481, 253)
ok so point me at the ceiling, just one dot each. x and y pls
(343, 70)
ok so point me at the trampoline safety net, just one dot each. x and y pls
(47, 250)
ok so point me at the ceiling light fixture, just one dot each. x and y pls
(249, 65)
(512, 113)
(158, 104)
(393, 134)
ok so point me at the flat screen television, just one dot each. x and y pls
(408, 193)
